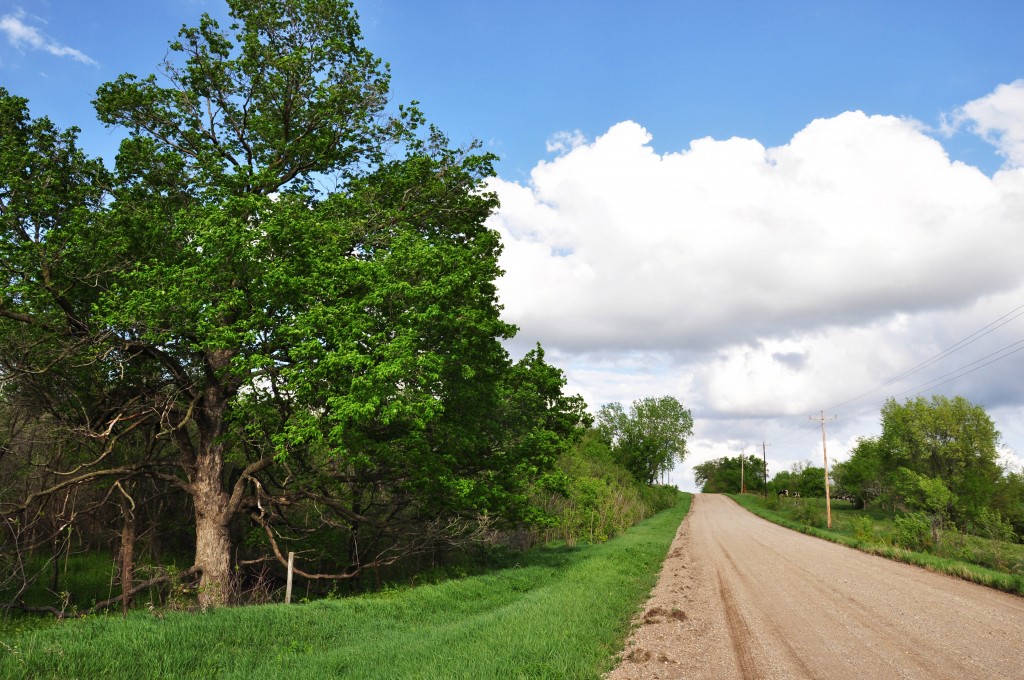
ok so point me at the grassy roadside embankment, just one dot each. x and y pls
(559, 612)
(872, 532)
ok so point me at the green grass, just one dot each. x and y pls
(849, 528)
(559, 613)
(90, 576)
(83, 579)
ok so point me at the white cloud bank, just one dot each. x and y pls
(999, 118)
(21, 35)
(614, 246)
(755, 282)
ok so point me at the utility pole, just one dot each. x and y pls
(828, 500)
(743, 481)
(764, 458)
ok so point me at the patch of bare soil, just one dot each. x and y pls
(739, 597)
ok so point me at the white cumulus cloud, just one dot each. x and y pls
(999, 118)
(614, 246)
(763, 284)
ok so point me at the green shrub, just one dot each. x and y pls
(807, 511)
(864, 529)
(913, 532)
(1000, 534)
(993, 526)
(600, 499)
(953, 544)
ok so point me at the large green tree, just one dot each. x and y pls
(283, 282)
(650, 438)
(943, 438)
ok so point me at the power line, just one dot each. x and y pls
(963, 373)
(954, 374)
(787, 434)
(943, 379)
(956, 347)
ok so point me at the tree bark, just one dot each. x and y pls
(127, 557)
(211, 500)
(213, 542)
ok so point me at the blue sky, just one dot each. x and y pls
(691, 202)
(511, 74)
(515, 72)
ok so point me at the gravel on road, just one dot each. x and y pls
(740, 597)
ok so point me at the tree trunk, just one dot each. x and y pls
(127, 557)
(213, 543)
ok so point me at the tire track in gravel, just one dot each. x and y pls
(755, 600)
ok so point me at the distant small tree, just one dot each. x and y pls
(727, 475)
(783, 481)
(648, 440)
(1008, 498)
(802, 479)
(811, 483)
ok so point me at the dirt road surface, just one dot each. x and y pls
(739, 597)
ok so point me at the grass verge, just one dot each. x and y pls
(844, 534)
(560, 612)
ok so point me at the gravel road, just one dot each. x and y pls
(739, 597)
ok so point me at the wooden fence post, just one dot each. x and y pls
(288, 588)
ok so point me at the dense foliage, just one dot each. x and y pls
(273, 325)
(801, 480)
(601, 498)
(650, 438)
(937, 457)
(731, 475)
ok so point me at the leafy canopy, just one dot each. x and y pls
(285, 282)
(728, 474)
(650, 438)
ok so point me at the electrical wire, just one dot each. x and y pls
(956, 347)
(943, 379)
(960, 372)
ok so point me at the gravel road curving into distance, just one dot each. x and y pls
(740, 597)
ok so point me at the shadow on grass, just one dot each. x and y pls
(553, 611)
